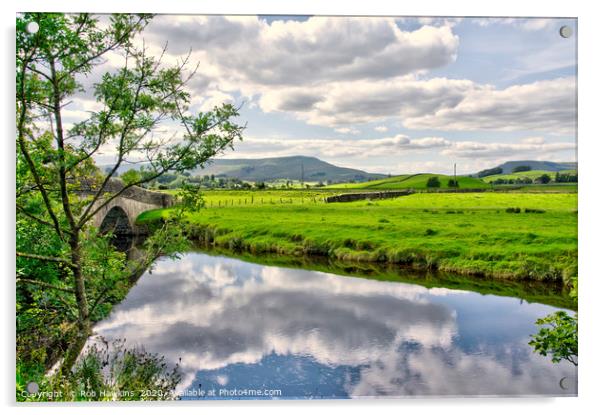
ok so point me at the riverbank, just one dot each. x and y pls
(520, 236)
(553, 294)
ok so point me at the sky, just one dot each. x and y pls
(382, 94)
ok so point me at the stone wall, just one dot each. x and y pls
(352, 197)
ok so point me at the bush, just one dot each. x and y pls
(513, 210)
(107, 372)
(527, 210)
(433, 182)
(430, 232)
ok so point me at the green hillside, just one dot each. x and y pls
(531, 174)
(308, 169)
(411, 181)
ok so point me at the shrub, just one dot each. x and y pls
(527, 210)
(430, 232)
(452, 183)
(433, 182)
(513, 210)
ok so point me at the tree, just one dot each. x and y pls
(452, 183)
(557, 338)
(433, 181)
(55, 162)
(559, 335)
(544, 179)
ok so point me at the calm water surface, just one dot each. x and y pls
(238, 327)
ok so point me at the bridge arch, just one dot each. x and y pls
(117, 221)
(119, 215)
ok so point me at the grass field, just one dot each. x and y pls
(531, 174)
(468, 233)
(412, 181)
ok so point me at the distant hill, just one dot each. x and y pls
(509, 166)
(290, 168)
(412, 181)
(276, 168)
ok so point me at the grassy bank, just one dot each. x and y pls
(470, 233)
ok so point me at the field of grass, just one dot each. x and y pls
(468, 233)
(531, 174)
(411, 181)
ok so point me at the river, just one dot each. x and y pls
(243, 330)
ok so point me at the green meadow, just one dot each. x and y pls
(412, 181)
(531, 174)
(527, 236)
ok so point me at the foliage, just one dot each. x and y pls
(433, 182)
(559, 340)
(108, 372)
(559, 336)
(190, 197)
(68, 274)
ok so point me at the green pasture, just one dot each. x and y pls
(468, 233)
(412, 181)
(531, 174)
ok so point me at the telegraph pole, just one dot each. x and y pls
(302, 174)
(455, 178)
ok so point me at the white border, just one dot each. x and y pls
(589, 191)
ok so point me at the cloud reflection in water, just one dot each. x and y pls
(237, 324)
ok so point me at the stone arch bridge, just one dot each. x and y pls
(119, 215)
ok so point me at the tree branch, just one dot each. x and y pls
(43, 258)
(25, 152)
(45, 285)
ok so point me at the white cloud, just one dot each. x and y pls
(541, 106)
(349, 103)
(347, 130)
(215, 312)
(320, 49)
(362, 153)
(527, 24)
(474, 149)
(381, 129)
(439, 103)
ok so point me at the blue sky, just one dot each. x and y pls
(390, 95)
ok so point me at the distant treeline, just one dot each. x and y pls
(490, 172)
(543, 179)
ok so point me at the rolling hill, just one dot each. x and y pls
(531, 174)
(290, 168)
(411, 181)
(548, 166)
